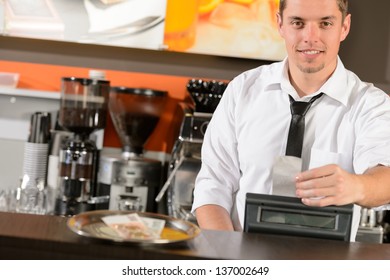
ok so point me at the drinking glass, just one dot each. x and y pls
(180, 24)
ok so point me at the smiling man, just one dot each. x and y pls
(345, 153)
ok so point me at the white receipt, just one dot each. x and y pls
(284, 172)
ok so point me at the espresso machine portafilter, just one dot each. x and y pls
(83, 109)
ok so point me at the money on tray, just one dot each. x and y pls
(132, 226)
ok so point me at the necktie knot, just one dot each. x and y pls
(299, 107)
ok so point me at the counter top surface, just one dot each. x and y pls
(26, 236)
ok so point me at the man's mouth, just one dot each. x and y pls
(310, 52)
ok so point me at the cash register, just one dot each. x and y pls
(284, 215)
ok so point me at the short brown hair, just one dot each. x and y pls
(343, 7)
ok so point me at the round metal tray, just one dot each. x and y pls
(90, 224)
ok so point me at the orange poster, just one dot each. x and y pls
(237, 28)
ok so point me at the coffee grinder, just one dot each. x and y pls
(83, 109)
(135, 113)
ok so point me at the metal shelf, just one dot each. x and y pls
(18, 92)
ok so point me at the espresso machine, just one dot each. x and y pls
(83, 109)
(186, 154)
(132, 179)
(374, 226)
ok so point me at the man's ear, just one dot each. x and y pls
(346, 27)
(280, 22)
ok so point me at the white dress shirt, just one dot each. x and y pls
(349, 126)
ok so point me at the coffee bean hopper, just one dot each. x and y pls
(186, 154)
(133, 179)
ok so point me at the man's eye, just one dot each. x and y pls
(326, 24)
(297, 24)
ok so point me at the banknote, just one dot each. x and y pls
(132, 226)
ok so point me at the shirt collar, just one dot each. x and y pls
(335, 87)
(278, 77)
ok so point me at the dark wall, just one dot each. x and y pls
(366, 50)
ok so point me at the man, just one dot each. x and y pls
(346, 147)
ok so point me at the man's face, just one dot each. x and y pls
(313, 30)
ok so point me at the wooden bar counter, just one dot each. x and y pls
(26, 236)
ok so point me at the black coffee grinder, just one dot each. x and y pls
(83, 109)
(135, 113)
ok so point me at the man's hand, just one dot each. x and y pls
(329, 185)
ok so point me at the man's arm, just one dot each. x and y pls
(335, 186)
(213, 217)
(376, 187)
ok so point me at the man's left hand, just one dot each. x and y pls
(328, 185)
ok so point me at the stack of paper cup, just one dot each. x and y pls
(36, 149)
(35, 162)
(31, 194)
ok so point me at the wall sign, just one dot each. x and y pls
(236, 28)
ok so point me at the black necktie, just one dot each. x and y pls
(297, 125)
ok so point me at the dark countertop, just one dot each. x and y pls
(26, 236)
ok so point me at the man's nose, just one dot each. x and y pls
(311, 33)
